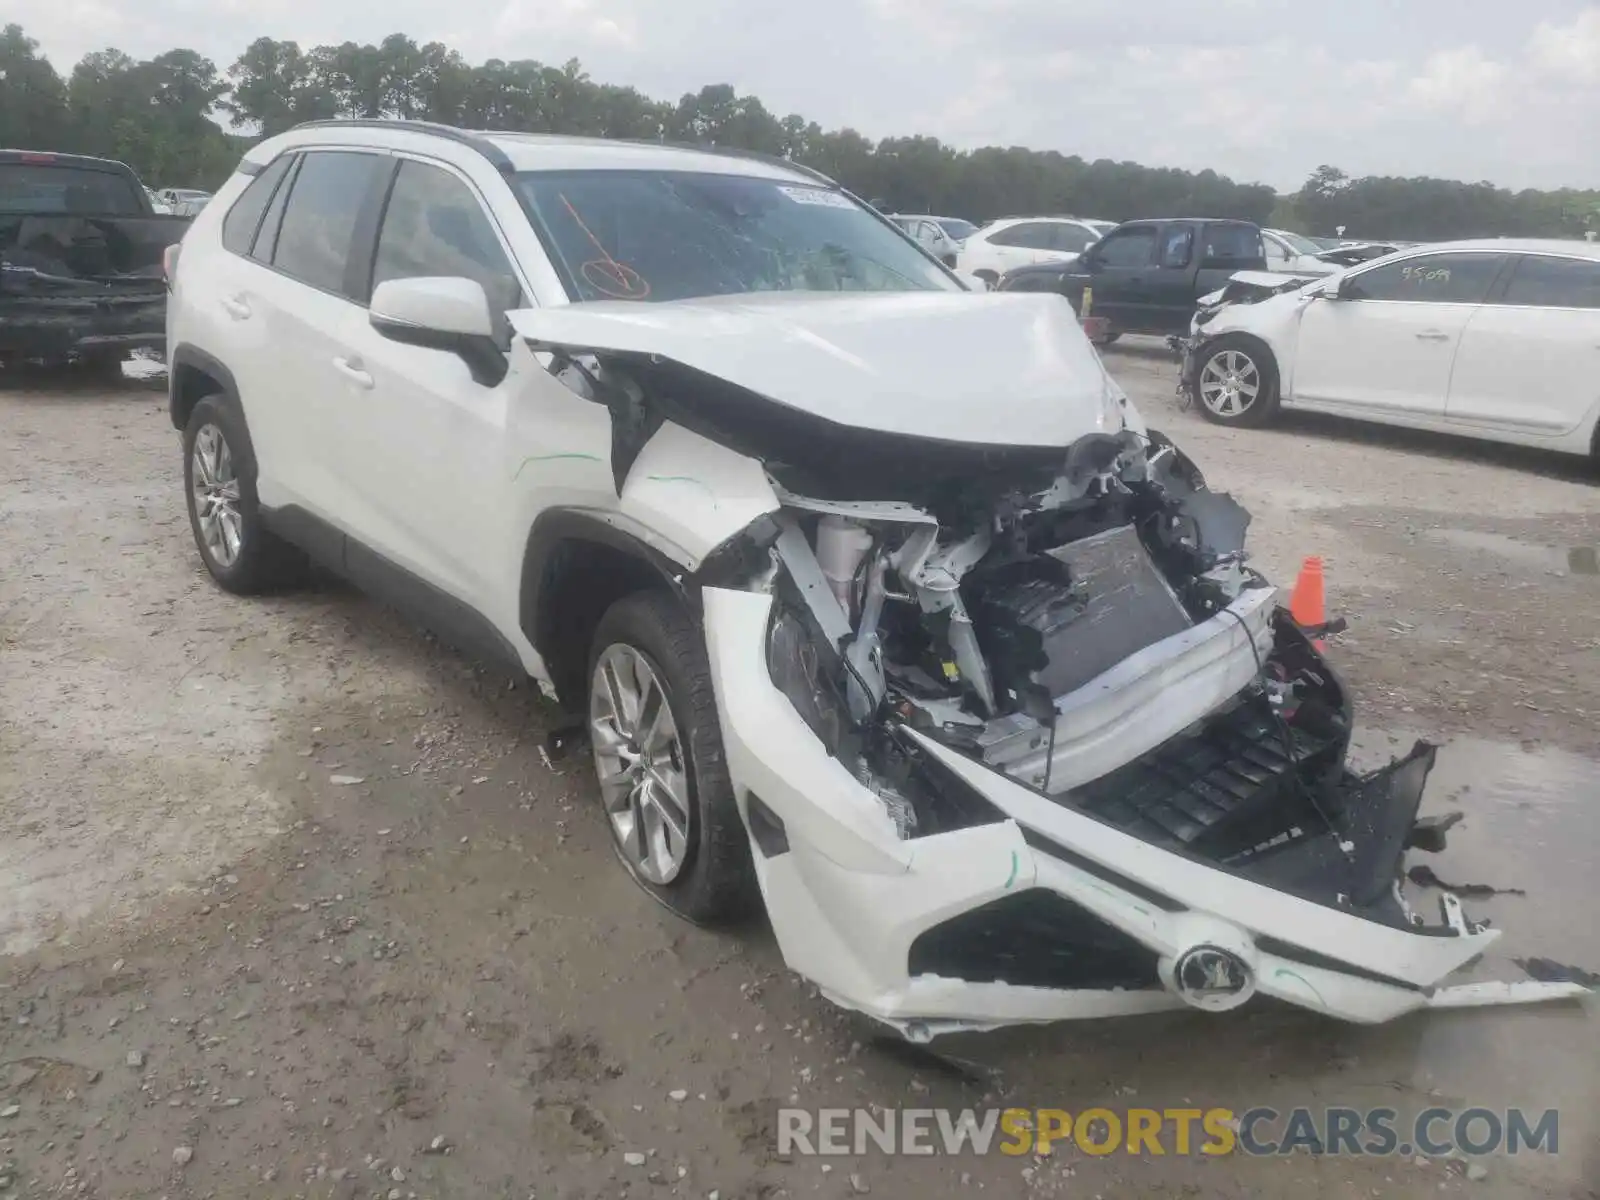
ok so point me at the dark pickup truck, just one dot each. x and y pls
(1147, 276)
(81, 255)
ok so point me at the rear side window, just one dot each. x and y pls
(1233, 243)
(1555, 283)
(1033, 236)
(1129, 248)
(244, 218)
(435, 225)
(47, 188)
(1071, 238)
(1429, 279)
(1177, 248)
(319, 221)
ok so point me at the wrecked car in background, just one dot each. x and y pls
(879, 598)
(81, 260)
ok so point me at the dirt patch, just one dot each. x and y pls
(440, 972)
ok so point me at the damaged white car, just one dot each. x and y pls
(878, 599)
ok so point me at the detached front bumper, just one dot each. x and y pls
(1045, 913)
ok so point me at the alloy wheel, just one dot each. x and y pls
(216, 496)
(1229, 383)
(640, 761)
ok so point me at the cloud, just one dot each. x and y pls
(1257, 89)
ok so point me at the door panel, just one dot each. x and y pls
(303, 308)
(1390, 343)
(1378, 355)
(1530, 363)
(427, 484)
(1121, 275)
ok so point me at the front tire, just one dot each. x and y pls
(660, 764)
(219, 480)
(1237, 383)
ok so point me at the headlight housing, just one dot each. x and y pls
(798, 670)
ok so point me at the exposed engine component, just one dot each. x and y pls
(1065, 637)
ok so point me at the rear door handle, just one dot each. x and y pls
(351, 369)
(236, 308)
(1433, 335)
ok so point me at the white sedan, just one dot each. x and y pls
(1495, 339)
(1013, 242)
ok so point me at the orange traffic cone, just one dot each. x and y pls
(1307, 604)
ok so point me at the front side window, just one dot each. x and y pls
(1430, 278)
(435, 225)
(1129, 248)
(1542, 282)
(672, 235)
(319, 221)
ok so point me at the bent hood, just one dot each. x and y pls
(984, 369)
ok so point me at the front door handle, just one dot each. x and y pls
(236, 308)
(1433, 335)
(351, 369)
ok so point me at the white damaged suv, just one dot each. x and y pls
(881, 605)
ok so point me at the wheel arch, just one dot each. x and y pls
(575, 566)
(192, 375)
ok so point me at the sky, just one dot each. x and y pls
(1261, 90)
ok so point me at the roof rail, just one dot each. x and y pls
(772, 160)
(482, 145)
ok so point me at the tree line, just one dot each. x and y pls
(162, 116)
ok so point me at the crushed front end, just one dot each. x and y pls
(1021, 749)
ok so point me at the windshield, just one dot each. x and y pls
(38, 188)
(675, 235)
(1298, 242)
(957, 228)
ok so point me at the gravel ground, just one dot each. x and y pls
(293, 904)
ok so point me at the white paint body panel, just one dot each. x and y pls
(1524, 375)
(931, 364)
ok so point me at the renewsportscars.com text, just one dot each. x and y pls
(1261, 1131)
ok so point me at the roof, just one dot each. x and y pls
(510, 151)
(51, 158)
(1574, 248)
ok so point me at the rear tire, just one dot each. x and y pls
(659, 761)
(1237, 382)
(219, 481)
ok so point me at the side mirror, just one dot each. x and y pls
(447, 313)
(975, 283)
(1333, 289)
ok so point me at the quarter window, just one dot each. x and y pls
(244, 218)
(319, 222)
(435, 225)
(1430, 278)
(1555, 283)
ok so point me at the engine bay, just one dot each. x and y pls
(1053, 635)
